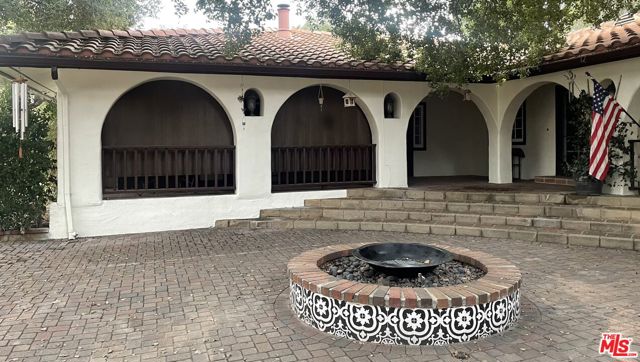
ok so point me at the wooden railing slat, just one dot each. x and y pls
(185, 166)
(322, 165)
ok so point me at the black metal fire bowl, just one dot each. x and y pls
(402, 259)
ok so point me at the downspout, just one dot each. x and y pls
(63, 124)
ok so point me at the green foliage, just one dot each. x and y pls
(25, 183)
(241, 22)
(61, 15)
(621, 169)
(579, 127)
(453, 41)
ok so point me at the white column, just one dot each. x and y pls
(253, 158)
(499, 156)
(392, 153)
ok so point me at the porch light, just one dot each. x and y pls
(19, 98)
(467, 95)
(389, 106)
(349, 100)
(251, 103)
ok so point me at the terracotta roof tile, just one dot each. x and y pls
(301, 48)
(610, 35)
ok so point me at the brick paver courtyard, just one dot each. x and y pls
(223, 295)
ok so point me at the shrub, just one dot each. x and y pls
(579, 129)
(26, 184)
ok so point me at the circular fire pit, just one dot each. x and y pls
(402, 258)
(402, 315)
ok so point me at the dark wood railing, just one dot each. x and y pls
(141, 171)
(313, 167)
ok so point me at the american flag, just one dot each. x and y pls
(606, 113)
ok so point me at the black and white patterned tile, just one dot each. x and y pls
(413, 326)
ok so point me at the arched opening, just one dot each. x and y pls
(539, 135)
(447, 137)
(317, 143)
(167, 137)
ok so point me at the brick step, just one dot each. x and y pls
(556, 210)
(532, 234)
(627, 202)
(457, 196)
(580, 224)
(560, 198)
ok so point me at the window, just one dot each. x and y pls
(419, 127)
(519, 132)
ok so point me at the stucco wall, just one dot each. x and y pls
(457, 140)
(540, 147)
(85, 96)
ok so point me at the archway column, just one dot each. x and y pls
(392, 153)
(253, 158)
(500, 156)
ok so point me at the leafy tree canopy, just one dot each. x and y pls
(61, 15)
(453, 41)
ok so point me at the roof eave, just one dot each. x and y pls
(587, 59)
(31, 61)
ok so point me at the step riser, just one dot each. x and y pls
(445, 230)
(464, 219)
(530, 210)
(521, 198)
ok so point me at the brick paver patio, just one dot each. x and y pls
(222, 295)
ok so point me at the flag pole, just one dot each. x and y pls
(623, 110)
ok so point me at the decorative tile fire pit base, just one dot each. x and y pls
(414, 316)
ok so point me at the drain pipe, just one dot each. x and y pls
(63, 142)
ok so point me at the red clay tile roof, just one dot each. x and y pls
(610, 36)
(302, 48)
(304, 53)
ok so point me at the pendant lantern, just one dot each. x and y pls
(20, 110)
(320, 97)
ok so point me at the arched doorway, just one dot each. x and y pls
(447, 137)
(317, 146)
(167, 137)
(541, 135)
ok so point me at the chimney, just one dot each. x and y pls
(283, 20)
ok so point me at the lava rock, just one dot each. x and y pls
(451, 273)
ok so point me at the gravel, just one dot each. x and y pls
(451, 273)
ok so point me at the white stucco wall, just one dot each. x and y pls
(85, 96)
(540, 147)
(457, 139)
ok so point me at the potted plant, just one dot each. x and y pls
(579, 126)
(579, 169)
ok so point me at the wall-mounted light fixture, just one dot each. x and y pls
(467, 95)
(349, 100)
